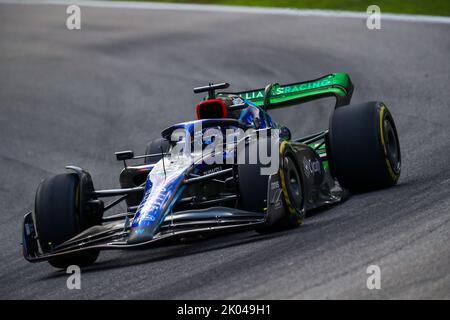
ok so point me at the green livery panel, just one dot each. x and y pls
(274, 96)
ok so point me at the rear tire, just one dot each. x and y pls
(292, 187)
(253, 188)
(363, 147)
(58, 215)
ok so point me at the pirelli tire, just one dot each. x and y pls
(363, 147)
(253, 190)
(58, 217)
(292, 186)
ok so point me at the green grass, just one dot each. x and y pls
(428, 7)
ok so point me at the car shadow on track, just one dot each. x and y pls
(174, 250)
(210, 243)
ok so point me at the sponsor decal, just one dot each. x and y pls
(276, 195)
(280, 90)
(311, 167)
(213, 170)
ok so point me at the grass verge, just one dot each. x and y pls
(426, 7)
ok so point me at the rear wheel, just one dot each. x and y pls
(253, 189)
(292, 187)
(59, 217)
(363, 147)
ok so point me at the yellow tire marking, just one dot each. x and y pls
(292, 210)
(391, 172)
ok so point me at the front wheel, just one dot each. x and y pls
(59, 217)
(363, 147)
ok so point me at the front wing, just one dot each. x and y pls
(113, 236)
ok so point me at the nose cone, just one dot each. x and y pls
(162, 189)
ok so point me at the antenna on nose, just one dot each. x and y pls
(164, 165)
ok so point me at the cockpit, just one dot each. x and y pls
(195, 136)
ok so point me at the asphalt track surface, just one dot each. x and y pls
(75, 97)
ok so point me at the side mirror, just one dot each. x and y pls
(124, 155)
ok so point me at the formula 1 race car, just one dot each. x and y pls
(173, 194)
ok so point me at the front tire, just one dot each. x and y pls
(58, 217)
(363, 147)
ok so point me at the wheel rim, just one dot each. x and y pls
(293, 182)
(392, 145)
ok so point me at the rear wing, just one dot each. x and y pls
(275, 96)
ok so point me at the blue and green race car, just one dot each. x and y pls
(191, 181)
